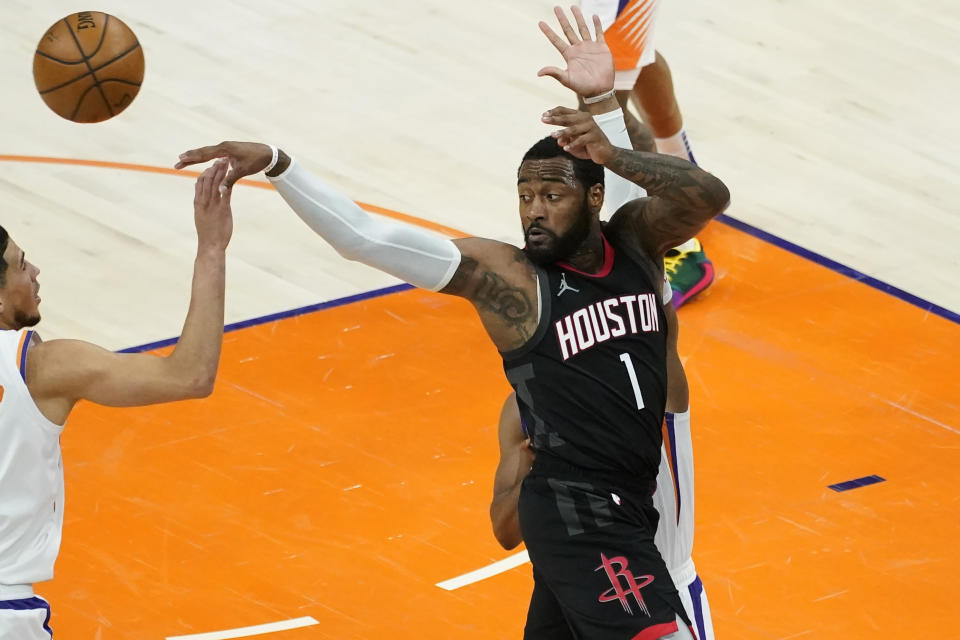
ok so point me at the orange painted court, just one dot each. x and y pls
(344, 464)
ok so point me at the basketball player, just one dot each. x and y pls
(642, 73)
(589, 367)
(673, 498)
(41, 382)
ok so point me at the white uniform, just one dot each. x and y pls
(673, 500)
(628, 28)
(31, 497)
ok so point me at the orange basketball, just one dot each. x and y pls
(88, 67)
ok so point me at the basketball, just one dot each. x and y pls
(88, 67)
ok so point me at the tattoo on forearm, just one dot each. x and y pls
(698, 193)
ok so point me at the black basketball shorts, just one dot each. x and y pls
(597, 573)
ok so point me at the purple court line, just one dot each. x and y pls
(842, 269)
(299, 311)
(749, 229)
(856, 483)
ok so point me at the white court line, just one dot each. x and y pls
(921, 416)
(483, 573)
(244, 632)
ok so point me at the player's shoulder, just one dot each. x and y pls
(628, 219)
(487, 257)
(627, 228)
(488, 249)
(61, 355)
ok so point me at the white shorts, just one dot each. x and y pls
(25, 619)
(694, 600)
(629, 34)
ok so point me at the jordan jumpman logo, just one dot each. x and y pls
(564, 286)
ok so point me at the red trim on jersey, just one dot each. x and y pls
(657, 631)
(607, 262)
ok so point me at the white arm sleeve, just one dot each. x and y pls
(422, 258)
(618, 191)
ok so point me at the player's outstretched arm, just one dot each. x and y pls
(515, 461)
(422, 258)
(496, 277)
(61, 372)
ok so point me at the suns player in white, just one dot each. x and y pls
(643, 77)
(40, 382)
(674, 495)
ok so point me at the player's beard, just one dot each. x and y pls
(23, 320)
(562, 246)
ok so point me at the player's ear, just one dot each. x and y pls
(595, 198)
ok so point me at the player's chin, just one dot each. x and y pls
(542, 253)
(30, 318)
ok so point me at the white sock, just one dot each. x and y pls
(676, 145)
(689, 245)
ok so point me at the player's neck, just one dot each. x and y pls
(589, 256)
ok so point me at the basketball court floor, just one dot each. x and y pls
(336, 483)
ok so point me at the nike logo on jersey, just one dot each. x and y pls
(564, 287)
(601, 321)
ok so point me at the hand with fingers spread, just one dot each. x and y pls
(581, 136)
(243, 158)
(589, 70)
(211, 209)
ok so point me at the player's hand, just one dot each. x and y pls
(244, 159)
(211, 208)
(589, 69)
(581, 136)
(527, 456)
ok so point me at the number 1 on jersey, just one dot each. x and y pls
(628, 363)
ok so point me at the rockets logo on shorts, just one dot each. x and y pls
(616, 568)
(610, 318)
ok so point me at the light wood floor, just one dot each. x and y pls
(833, 123)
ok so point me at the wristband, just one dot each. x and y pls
(273, 160)
(600, 98)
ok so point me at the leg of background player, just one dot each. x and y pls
(658, 106)
(688, 268)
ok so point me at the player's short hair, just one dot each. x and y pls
(587, 172)
(4, 241)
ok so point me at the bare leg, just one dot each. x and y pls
(655, 99)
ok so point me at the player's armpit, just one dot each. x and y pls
(61, 372)
(514, 465)
(502, 285)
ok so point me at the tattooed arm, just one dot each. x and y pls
(501, 283)
(683, 198)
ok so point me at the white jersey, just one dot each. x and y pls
(629, 29)
(31, 474)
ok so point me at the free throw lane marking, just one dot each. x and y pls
(483, 573)
(244, 632)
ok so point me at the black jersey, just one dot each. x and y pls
(591, 383)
